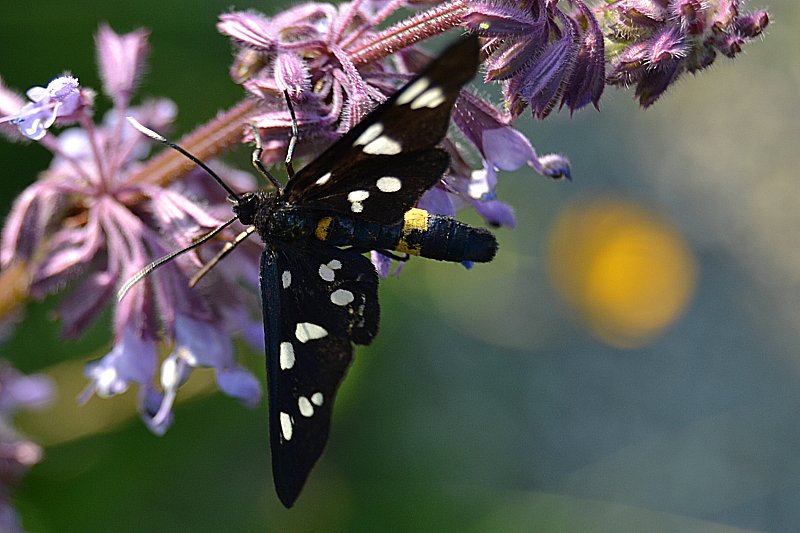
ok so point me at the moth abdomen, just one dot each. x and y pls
(444, 238)
(420, 233)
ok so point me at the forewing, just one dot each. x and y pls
(380, 168)
(317, 300)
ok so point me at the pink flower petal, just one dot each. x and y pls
(82, 306)
(121, 59)
(248, 29)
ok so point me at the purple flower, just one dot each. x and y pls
(17, 454)
(59, 100)
(198, 344)
(541, 53)
(18, 391)
(132, 360)
(337, 76)
(655, 42)
(501, 146)
(89, 223)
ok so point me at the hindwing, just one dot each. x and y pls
(317, 300)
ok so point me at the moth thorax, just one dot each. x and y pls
(285, 222)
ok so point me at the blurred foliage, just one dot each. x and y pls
(484, 404)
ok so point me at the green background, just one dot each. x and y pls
(443, 423)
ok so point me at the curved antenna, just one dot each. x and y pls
(163, 140)
(136, 278)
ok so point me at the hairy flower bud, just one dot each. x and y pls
(654, 43)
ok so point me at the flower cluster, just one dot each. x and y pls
(315, 52)
(652, 42)
(90, 224)
(97, 215)
(543, 54)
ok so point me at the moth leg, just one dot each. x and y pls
(402, 258)
(228, 248)
(293, 139)
(386, 253)
(256, 160)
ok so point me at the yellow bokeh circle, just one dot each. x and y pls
(627, 272)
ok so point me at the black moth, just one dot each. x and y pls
(319, 293)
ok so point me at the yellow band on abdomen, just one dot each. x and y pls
(413, 220)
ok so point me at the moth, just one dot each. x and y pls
(319, 292)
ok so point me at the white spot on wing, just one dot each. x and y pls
(370, 134)
(383, 145)
(316, 398)
(287, 355)
(326, 273)
(286, 426)
(389, 184)
(341, 297)
(286, 279)
(355, 198)
(306, 331)
(431, 98)
(323, 179)
(413, 91)
(306, 409)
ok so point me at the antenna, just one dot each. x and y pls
(163, 140)
(256, 160)
(167, 258)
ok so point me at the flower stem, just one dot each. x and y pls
(410, 31)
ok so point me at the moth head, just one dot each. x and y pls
(247, 206)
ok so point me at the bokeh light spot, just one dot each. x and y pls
(627, 272)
